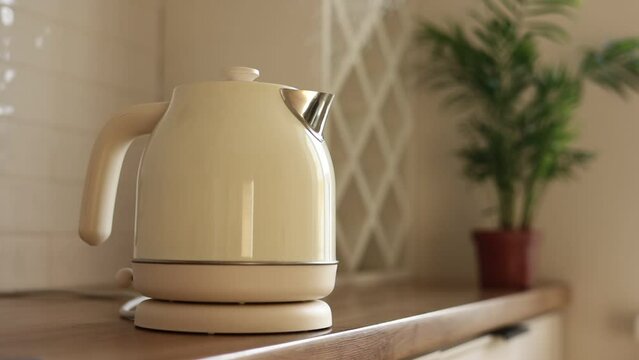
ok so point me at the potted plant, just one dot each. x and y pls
(516, 113)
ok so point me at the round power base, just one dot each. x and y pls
(233, 318)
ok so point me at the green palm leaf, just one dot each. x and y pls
(520, 130)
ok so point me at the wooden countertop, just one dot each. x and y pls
(391, 318)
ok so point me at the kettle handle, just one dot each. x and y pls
(105, 165)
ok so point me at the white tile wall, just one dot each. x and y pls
(65, 66)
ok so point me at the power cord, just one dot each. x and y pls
(127, 311)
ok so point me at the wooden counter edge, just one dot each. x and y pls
(419, 334)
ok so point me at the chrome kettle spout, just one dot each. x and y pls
(310, 107)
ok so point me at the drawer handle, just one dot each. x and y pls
(509, 332)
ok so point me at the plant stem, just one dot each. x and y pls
(527, 207)
(506, 207)
(532, 192)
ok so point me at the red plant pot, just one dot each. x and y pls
(506, 258)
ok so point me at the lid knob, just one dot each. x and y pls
(241, 73)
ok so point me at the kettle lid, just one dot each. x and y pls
(241, 73)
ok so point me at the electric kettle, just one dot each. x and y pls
(235, 211)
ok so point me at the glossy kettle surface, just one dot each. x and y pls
(234, 171)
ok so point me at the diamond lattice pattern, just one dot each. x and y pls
(368, 131)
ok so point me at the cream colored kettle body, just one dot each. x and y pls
(235, 172)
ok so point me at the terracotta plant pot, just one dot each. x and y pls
(506, 258)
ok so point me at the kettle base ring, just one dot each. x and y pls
(234, 283)
(212, 318)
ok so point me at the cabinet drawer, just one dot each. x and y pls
(542, 341)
